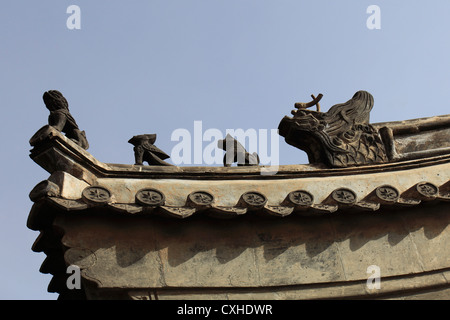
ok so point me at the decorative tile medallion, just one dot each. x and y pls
(427, 189)
(387, 193)
(96, 195)
(150, 197)
(301, 198)
(254, 199)
(344, 196)
(201, 198)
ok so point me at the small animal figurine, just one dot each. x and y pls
(235, 152)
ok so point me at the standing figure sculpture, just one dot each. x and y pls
(61, 119)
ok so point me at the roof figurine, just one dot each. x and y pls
(144, 150)
(341, 137)
(61, 119)
(235, 152)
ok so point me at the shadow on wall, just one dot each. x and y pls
(311, 241)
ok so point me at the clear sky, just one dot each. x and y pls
(155, 66)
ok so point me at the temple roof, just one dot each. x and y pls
(120, 223)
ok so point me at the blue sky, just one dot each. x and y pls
(155, 66)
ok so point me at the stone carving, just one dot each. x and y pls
(61, 119)
(279, 211)
(69, 205)
(427, 189)
(226, 212)
(253, 199)
(341, 137)
(301, 198)
(367, 206)
(387, 193)
(177, 212)
(422, 191)
(144, 150)
(408, 202)
(324, 208)
(200, 199)
(235, 152)
(344, 196)
(150, 197)
(96, 195)
(127, 208)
